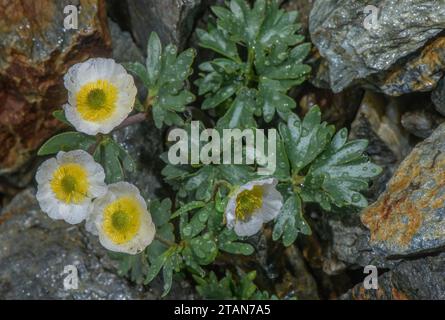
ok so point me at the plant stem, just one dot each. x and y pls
(165, 241)
(136, 118)
(249, 69)
(217, 185)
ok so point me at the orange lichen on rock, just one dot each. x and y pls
(427, 66)
(398, 295)
(412, 200)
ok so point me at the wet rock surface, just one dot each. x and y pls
(408, 217)
(173, 20)
(418, 279)
(421, 123)
(34, 55)
(392, 54)
(438, 97)
(378, 121)
(35, 250)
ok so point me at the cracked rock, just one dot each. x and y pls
(391, 54)
(409, 217)
(173, 20)
(422, 279)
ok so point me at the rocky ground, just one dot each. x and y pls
(385, 84)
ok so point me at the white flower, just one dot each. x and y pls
(121, 219)
(101, 94)
(251, 205)
(68, 183)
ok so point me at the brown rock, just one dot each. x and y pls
(408, 217)
(35, 52)
(420, 74)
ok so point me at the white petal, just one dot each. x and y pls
(147, 229)
(248, 228)
(46, 170)
(75, 214)
(93, 70)
(56, 209)
(272, 203)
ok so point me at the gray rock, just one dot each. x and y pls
(378, 121)
(350, 243)
(438, 97)
(34, 251)
(421, 123)
(354, 53)
(144, 143)
(124, 48)
(409, 217)
(417, 279)
(173, 20)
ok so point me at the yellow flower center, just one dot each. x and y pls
(96, 100)
(70, 183)
(122, 219)
(247, 202)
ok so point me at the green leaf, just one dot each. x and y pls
(305, 140)
(66, 141)
(160, 211)
(282, 170)
(139, 70)
(227, 241)
(288, 70)
(272, 96)
(278, 25)
(240, 114)
(153, 62)
(173, 172)
(204, 249)
(60, 115)
(110, 161)
(220, 96)
(272, 64)
(167, 274)
(156, 248)
(157, 265)
(202, 182)
(290, 221)
(165, 74)
(134, 266)
(247, 288)
(188, 207)
(126, 160)
(189, 260)
(197, 223)
(229, 288)
(168, 94)
(339, 174)
(218, 42)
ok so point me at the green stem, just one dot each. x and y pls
(219, 184)
(136, 118)
(165, 241)
(249, 69)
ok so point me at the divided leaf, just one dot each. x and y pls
(165, 74)
(305, 140)
(339, 174)
(290, 221)
(273, 63)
